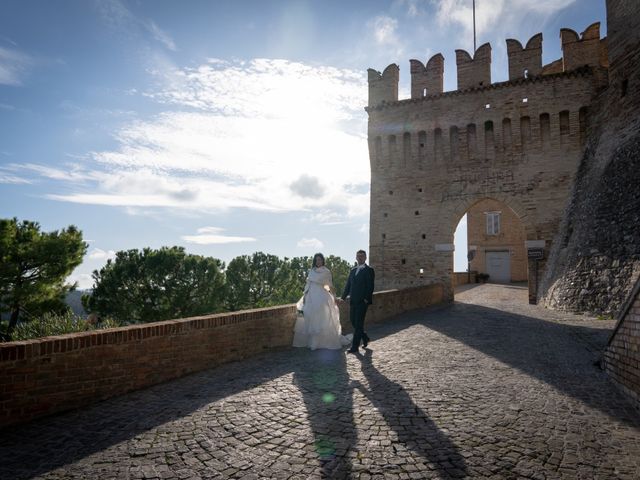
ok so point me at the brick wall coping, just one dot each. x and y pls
(44, 346)
(578, 72)
(53, 374)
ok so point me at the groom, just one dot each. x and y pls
(359, 288)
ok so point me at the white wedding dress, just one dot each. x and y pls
(319, 324)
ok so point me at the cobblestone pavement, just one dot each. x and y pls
(488, 387)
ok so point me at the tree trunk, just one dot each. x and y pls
(13, 321)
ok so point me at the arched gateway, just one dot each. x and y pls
(435, 155)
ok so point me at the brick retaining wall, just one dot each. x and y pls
(54, 374)
(622, 356)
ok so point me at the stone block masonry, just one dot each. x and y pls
(54, 374)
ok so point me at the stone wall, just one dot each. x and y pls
(53, 374)
(595, 262)
(433, 158)
(596, 258)
(437, 154)
(621, 359)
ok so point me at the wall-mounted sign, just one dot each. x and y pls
(535, 253)
(534, 243)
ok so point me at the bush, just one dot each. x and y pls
(56, 324)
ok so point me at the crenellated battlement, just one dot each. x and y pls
(476, 71)
(525, 62)
(586, 49)
(429, 79)
(383, 87)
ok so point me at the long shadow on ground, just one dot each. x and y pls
(415, 430)
(328, 399)
(561, 355)
(32, 449)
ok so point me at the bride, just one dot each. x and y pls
(319, 325)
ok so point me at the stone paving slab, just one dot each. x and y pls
(489, 387)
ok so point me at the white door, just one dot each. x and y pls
(499, 267)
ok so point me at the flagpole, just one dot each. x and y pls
(474, 27)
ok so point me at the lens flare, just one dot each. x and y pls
(328, 397)
(325, 447)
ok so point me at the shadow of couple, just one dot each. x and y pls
(346, 419)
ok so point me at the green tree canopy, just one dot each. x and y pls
(262, 280)
(34, 266)
(255, 281)
(153, 285)
(340, 269)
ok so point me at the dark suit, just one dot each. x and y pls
(360, 290)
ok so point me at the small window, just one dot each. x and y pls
(493, 223)
(565, 127)
(379, 149)
(525, 100)
(424, 236)
(487, 106)
(404, 261)
(386, 214)
(417, 212)
(390, 192)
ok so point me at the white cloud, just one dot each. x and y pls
(9, 178)
(266, 135)
(14, 65)
(160, 35)
(99, 254)
(384, 30)
(84, 280)
(327, 217)
(119, 17)
(497, 16)
(74, 172)
(307, 186)
(310, 243)
(213, 235)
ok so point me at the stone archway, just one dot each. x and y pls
(496, 235)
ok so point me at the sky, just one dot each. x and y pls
(225, 127)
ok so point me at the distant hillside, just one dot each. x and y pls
(74, 300)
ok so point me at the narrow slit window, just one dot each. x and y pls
(472, 144)
(454, 140)
(422, 148)
(565, 128)
(525, 131)
(506, 132)
(406, 148)
(488, 138)
(437, 144)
